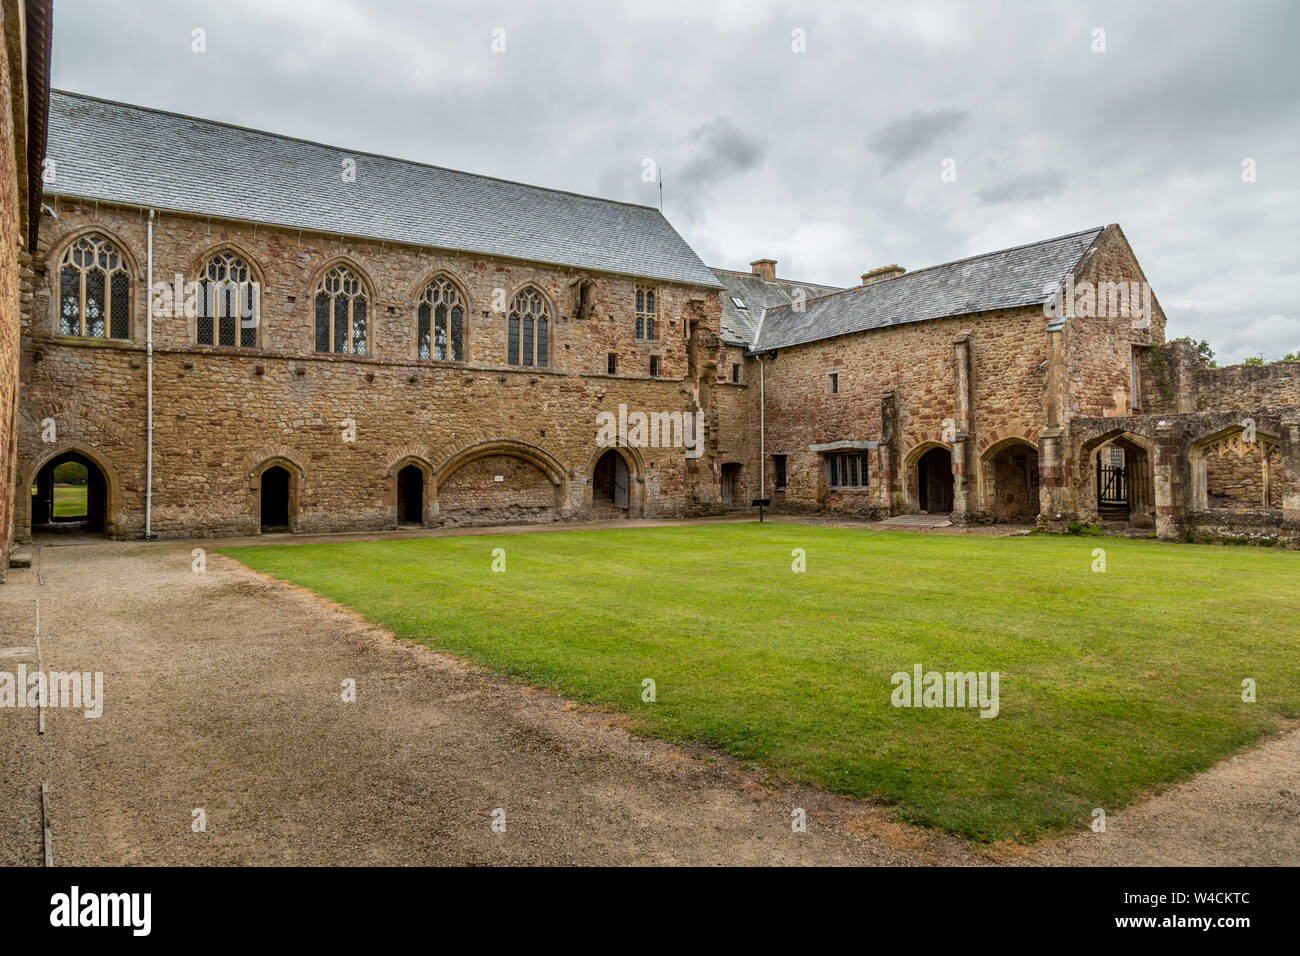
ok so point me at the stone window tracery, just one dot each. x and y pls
(94, 290)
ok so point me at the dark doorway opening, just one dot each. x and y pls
(275, 499)
(410, 496)
(934, 481)
(730, 484)
(70, 495)
(610, 483)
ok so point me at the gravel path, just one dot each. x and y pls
(223, 693)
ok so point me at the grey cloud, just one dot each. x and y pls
(721, 149)
(1026, 187)
(912, 135)
(770, 152)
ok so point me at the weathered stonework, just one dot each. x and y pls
(1013, 414)
(222, 415)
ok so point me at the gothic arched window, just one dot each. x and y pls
(94, 290)
(440, 323)
(341, 307)
(229, 303)
(528, 330)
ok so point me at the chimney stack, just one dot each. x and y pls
(765, 268)
(884, 272)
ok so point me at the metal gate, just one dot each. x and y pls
(1112, 486)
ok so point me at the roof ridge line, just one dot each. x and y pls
(355, 152)
(755, 275)
(953, 262)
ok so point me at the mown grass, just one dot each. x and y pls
(69, 501)
(1112, 684)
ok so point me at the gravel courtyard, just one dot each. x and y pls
(224, 692)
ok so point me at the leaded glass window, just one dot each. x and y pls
(94, 290)
(341, 311)
(228, 303)
(528, 328)
(645, 312)
(440, 321)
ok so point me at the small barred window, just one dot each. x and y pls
(846, 471)
(94, 290)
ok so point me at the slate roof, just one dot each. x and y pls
(116, 152)
(739, 325)
(996, 280)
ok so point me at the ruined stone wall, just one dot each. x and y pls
(915, 362)
(1233, 480)
(1176, 380)
(1206, 478)
(222, 413)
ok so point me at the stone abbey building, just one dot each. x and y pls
(429, 347)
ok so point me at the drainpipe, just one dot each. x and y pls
(762, 431)
(148, 364)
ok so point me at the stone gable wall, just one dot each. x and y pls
(1099, 349)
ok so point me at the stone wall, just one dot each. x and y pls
(1177, 380)
(1206, 475)
(497, 488)
(1099, 349)
(13, 159)
(904, 378)
(222, 413)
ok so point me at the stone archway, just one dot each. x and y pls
(1117, 481)
(1010, 481)
(409, 497)
(609, 465)
(35, 505)
(69, 495)
(275, 494)
(929, 482)
(610, 486)
(1231, 473)
(497, 482)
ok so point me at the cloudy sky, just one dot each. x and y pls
(815, 134)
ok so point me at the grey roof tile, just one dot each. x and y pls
(739, 325)
(115, 152)
(996, 280)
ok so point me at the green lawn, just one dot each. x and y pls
(69, 501)
(1111, 683)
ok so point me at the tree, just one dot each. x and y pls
(1202, 349)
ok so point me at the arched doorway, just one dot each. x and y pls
(1011, 476)
(730, 484)
(410, 496)
(69, 495)
(275, 499)
(934, 481)
(1123, 480)
(610, 486)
